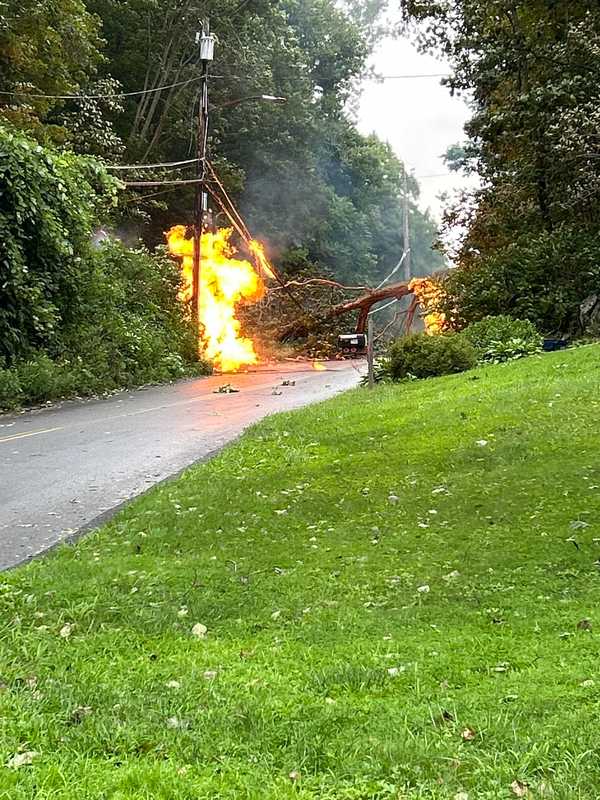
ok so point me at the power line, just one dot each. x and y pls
(152, 166)
(100, 96)
(395, 270)
(382, 308)
(409, 77)
(163, 183)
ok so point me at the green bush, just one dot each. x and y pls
(424, 356)
(503, 338)
(134, 331)
(50, 203)
(10, 389)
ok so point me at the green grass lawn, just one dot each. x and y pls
(392, 584)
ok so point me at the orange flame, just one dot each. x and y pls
(258, 252)
(224, 281)
(429, 292)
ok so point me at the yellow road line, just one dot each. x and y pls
(29, 433)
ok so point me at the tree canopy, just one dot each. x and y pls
(532, 72)
(300, 172)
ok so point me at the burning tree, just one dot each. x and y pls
(230, 314)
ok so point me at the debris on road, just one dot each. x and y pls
(225, 388)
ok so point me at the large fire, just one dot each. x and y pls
(429, 293)
(224, 281)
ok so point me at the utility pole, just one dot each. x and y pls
(407, 259)
(370, 351)
(207, 46)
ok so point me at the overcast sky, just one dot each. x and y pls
(417, 116)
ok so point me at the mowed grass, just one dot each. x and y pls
(393, 586)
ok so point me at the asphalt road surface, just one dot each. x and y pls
(63, 468)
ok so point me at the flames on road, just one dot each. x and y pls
(225, 281)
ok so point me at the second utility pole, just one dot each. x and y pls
(207, 45)
(407, 259)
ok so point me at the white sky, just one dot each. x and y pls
(418, 117)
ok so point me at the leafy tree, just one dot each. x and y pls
(49, 205)
(301, 173)
(46, 47)
(533, 73)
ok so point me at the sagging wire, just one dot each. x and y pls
(112, 95)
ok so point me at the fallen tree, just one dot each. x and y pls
(302, 326)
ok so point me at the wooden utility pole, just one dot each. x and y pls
(407, 274)
(206, 42)
(370, 351)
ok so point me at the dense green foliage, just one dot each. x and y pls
(49, 205)
(75, 318)
(48, 48)
(533, 72)
(503, 338)
(423, 356)
(131, 330)
(392, 585)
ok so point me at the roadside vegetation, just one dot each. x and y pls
(390, 595)
(78, 319)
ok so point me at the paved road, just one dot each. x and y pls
(62, 467)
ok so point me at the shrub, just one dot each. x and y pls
(503, 338)
(382, 371)
(134, 331)
(10, 389)
(424, 356)
(50, 203)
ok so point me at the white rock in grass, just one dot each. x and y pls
(482, 442)
(423, 589)
(172, 684)
(21, 759)
(65, 631)
(452, 575)
(519, 788)
(199, 630)
(393, 498)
